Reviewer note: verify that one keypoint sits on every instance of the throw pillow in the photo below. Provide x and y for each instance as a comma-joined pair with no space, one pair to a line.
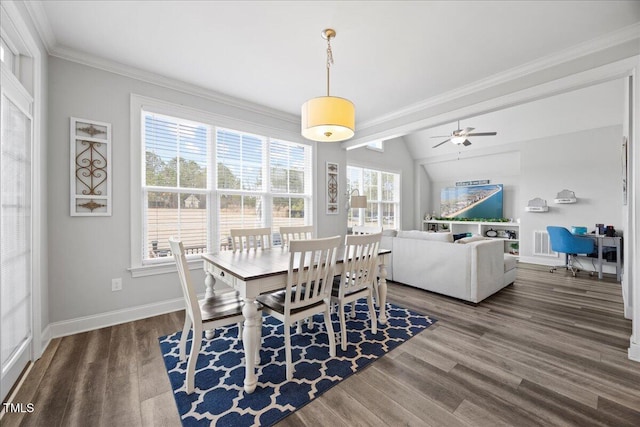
471,239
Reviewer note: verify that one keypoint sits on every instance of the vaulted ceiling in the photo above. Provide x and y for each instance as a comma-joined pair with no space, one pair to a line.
392,58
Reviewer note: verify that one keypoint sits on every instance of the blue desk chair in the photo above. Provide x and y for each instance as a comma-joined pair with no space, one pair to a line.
564,242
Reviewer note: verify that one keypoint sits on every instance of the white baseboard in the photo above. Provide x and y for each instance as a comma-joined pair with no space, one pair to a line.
634,351
102,320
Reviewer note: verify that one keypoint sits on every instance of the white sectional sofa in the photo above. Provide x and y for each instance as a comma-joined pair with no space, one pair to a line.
470,269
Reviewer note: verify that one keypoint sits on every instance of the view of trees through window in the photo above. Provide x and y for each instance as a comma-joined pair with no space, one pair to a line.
179,190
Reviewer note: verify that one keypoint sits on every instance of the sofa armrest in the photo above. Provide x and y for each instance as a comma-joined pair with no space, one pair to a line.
487,268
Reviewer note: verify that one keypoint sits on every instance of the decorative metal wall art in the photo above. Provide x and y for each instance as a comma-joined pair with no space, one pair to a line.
332,188
90,168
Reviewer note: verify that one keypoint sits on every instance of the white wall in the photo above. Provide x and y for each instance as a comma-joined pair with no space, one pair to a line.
86,253
328,224
397,159
588,163
499,168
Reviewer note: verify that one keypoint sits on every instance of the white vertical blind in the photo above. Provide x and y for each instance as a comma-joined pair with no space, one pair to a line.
15,223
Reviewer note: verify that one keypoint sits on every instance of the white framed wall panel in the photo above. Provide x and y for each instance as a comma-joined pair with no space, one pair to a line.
90,168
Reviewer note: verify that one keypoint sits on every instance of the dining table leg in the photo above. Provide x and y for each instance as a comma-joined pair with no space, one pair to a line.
249,341
382,292
209,284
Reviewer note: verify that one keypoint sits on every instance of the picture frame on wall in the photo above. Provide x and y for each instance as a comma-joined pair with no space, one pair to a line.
90,168
332,189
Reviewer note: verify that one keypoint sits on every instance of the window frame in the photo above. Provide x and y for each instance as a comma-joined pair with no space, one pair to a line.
379,201
138,105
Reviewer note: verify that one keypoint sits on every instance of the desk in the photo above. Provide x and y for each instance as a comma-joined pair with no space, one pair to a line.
606,241
256,272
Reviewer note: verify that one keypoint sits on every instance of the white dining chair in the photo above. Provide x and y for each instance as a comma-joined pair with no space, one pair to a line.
308,292
296,232
357,280
219,310
245,239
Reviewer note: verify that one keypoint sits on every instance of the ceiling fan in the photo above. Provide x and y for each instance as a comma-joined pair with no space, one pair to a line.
459,136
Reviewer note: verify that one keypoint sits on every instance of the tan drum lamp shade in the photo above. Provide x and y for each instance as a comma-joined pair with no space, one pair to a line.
358,202
328,118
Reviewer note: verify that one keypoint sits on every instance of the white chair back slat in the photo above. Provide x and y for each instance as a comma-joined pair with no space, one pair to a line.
315,261
288,234
245,239
360,262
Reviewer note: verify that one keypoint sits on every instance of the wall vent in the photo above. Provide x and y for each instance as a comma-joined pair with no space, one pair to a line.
542,244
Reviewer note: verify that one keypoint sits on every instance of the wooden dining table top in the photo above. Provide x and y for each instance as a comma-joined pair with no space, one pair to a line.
261,263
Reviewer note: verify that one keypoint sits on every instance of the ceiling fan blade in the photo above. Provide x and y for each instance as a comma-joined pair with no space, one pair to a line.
482,134
438,145
466,143
441,136
465,130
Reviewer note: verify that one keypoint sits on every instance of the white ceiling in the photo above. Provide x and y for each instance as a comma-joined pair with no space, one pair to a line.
389,55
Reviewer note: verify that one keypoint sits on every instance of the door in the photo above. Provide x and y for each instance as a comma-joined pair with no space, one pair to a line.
15,231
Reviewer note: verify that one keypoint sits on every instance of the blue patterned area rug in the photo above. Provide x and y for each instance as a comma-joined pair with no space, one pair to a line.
219,398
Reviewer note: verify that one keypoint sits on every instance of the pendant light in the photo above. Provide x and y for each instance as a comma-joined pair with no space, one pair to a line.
328,118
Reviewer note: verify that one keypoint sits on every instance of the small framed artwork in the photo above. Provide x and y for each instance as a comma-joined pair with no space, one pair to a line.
90,168
332,188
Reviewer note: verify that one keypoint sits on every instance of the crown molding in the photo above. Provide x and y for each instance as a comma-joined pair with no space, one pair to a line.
169,83
41,22
623,35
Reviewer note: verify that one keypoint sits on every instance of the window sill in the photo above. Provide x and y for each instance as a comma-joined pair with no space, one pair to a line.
163,268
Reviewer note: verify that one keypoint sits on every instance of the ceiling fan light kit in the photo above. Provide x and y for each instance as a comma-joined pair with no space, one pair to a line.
460,136
328,118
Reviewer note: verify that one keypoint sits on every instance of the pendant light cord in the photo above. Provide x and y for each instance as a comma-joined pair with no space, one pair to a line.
329,61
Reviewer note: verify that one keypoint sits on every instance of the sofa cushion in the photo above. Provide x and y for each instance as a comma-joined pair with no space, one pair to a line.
426,235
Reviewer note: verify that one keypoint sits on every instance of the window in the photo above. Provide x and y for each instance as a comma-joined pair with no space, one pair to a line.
256,192
383,197
201,180
8,57
175,184
376,146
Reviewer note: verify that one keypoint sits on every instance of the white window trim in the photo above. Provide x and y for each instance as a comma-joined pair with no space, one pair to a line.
138,103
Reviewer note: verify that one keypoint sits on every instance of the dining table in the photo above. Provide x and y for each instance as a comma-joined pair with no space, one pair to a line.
259,271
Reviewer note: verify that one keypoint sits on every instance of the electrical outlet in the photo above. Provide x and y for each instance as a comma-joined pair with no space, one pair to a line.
116,284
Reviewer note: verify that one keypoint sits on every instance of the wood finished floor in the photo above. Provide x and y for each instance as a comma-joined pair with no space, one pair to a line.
550,350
